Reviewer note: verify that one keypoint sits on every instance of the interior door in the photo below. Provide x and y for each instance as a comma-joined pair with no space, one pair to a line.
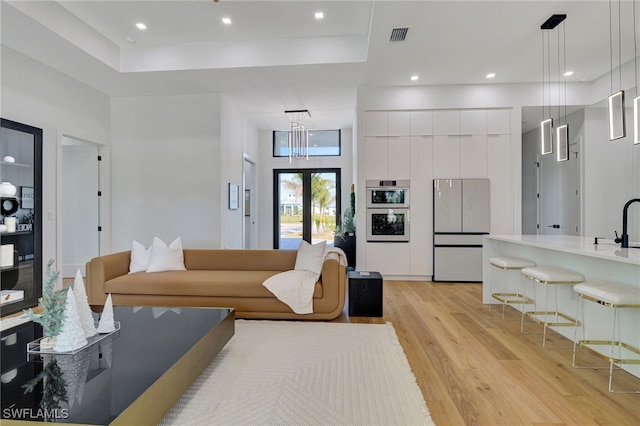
559,197
80,205
307,202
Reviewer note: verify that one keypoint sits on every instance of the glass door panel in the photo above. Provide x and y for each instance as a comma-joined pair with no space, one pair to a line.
306,205
323,207
291,200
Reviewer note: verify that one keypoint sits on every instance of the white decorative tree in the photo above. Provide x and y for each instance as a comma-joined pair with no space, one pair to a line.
106,324
71,335
86,318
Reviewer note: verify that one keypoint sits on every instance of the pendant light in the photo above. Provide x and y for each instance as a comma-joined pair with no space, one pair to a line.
616,100
298,135
562,132
546,125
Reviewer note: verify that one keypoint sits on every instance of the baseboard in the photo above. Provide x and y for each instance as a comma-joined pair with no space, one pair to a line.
69,270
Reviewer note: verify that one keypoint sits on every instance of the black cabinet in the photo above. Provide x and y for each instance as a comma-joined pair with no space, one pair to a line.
365,294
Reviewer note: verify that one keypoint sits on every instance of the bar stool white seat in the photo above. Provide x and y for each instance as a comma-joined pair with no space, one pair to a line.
613,295
551,275
508,264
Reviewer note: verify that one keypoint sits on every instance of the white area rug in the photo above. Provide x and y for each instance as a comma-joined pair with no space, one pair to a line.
305,373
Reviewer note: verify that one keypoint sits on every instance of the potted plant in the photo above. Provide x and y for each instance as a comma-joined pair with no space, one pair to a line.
345,234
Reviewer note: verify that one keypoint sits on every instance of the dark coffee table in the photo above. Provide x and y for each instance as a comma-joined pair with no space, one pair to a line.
131,377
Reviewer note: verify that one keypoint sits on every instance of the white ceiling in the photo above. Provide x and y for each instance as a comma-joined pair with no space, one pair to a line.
276,56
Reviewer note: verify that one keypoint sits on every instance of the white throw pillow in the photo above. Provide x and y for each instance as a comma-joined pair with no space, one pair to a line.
139,258
165,258
310,257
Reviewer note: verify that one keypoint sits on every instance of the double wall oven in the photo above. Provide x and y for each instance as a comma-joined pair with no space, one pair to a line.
388,210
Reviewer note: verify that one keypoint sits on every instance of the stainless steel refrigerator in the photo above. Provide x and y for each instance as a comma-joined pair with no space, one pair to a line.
460,219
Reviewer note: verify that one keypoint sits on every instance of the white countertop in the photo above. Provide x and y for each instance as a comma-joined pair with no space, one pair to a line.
605,249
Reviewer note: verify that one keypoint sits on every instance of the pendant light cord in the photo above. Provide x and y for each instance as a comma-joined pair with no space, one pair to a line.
619,44
635,48
564,54
549,71
611,45
542,45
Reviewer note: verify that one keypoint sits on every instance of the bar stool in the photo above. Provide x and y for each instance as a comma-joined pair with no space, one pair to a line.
611,295
508,264
551,275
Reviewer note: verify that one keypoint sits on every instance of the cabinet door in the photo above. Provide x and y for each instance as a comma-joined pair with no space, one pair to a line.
475,205
421,123
421,206
376,123
399,157
473,156
446,156
446,122
499,122
447,205
473,122
398,123
376,157
389,258
501,183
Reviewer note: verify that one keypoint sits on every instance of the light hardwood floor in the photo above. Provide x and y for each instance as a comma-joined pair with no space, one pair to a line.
474,368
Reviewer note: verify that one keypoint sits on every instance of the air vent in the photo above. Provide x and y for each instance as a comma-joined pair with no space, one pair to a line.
399,34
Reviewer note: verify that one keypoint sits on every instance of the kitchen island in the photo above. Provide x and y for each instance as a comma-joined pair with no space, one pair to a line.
603,261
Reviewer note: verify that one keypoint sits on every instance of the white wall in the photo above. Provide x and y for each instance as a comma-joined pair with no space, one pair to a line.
268,163
231,153
166,170
611,177
39,96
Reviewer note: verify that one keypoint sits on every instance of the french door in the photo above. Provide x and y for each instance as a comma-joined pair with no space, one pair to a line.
306,204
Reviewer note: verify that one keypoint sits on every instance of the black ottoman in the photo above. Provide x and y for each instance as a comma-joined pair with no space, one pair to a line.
365,294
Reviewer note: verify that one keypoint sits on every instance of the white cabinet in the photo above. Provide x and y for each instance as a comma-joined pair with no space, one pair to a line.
473,156
473,122
389,258
499,122
388,157
377,161
446,122
446,156
421,206
421,123
499,171
388,123
399,157
376,123
422,145
398,123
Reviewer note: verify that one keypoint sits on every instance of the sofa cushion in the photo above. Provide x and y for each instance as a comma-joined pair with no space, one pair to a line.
310,257
139,257
165,258
197,283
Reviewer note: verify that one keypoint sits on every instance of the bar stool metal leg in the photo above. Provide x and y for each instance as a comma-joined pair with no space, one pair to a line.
551,275
508,265
616,296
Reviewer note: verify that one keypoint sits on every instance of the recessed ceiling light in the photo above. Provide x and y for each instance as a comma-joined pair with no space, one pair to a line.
130,40
568,73
319,15
414,78
226,21
491,75
141,26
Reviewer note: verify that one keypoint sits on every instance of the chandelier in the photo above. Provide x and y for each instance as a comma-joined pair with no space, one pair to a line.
298,135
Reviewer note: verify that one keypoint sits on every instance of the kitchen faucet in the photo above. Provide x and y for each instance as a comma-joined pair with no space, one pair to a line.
624,238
